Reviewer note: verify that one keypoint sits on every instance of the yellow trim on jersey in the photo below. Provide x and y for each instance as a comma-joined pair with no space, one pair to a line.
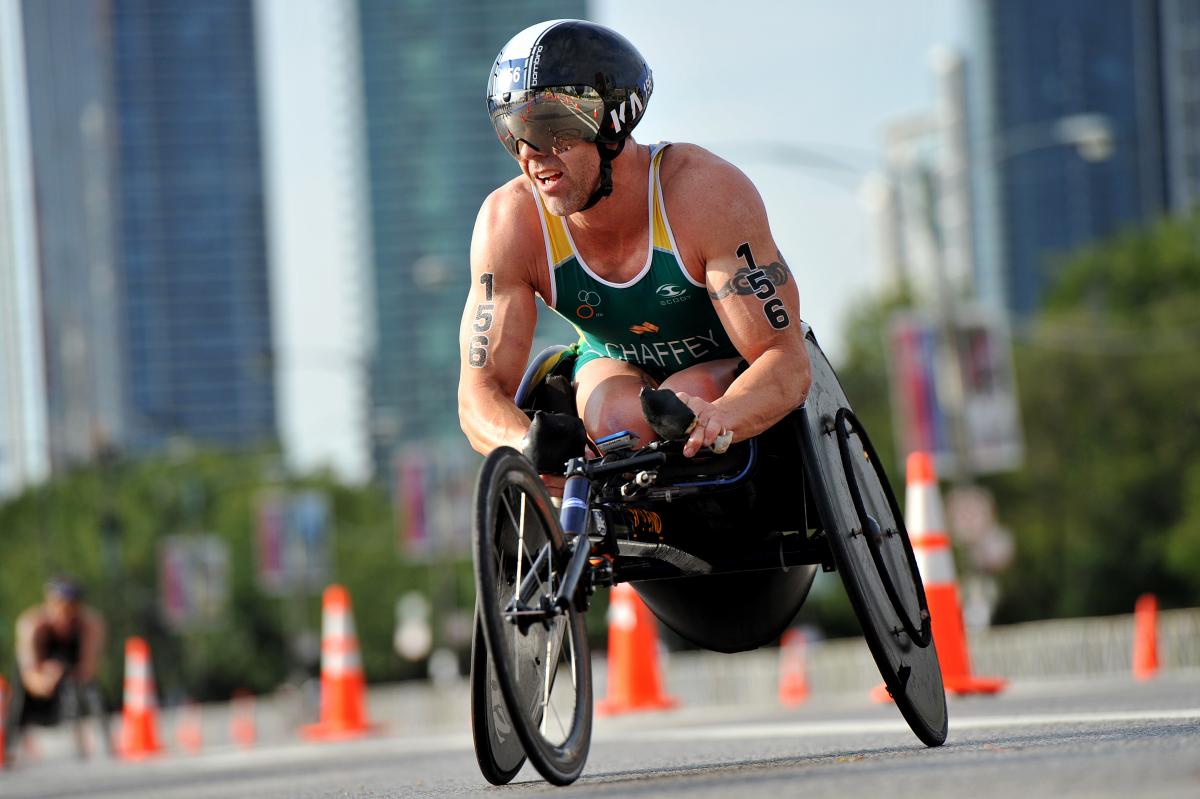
560,245
555,229
661,240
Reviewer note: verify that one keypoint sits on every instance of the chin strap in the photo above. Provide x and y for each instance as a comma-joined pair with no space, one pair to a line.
605,187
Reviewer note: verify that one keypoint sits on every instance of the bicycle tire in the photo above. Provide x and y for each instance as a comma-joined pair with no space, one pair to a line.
513,522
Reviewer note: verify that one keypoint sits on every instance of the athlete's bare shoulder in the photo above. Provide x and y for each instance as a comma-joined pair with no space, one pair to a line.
508,233
706,197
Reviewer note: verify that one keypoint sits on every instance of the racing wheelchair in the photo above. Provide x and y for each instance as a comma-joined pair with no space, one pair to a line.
722,548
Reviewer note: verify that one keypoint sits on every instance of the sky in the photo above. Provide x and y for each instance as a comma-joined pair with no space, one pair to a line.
824,77
818,75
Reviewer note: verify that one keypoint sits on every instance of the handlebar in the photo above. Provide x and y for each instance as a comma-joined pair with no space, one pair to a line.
593,470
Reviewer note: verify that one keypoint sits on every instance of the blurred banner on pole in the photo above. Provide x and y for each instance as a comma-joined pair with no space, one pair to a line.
432,499
193,580
924,386
293,541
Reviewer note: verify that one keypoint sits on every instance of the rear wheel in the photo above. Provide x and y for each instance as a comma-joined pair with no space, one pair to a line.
872,551
539,656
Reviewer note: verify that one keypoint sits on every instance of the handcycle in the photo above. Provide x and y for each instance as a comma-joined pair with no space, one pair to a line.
722,548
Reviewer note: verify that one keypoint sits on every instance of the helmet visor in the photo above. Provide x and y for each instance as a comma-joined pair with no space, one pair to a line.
550,119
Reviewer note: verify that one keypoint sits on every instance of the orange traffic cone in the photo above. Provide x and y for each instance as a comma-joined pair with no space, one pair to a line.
633,677
139,719
1145,637
242,727
189,732
927,530
343,688
793,684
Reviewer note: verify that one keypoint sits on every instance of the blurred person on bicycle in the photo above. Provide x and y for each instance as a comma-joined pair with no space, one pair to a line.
58,647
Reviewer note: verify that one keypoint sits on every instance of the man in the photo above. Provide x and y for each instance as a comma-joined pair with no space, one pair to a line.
58,652
660,256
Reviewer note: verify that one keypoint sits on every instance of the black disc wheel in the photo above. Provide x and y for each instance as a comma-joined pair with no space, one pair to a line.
872,551
539,654
497,747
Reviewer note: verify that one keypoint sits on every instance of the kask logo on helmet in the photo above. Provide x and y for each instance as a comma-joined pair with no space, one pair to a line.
635,105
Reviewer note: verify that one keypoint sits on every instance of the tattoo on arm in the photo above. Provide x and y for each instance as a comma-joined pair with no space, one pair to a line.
477,351
776,272
761,282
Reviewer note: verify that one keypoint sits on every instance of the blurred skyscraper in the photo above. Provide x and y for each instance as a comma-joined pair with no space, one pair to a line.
23,443
152,262
1180,26
1042,65
317,227
191,235
432,158
71,123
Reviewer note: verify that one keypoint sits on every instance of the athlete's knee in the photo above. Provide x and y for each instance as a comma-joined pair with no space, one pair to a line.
702,383
607,415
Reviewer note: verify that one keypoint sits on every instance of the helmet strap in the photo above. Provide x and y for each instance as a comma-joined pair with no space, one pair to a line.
605,186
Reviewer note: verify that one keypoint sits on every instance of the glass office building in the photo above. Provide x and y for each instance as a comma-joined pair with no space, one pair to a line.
432,158
146,164
1180,25
190,230
1040,64
24,453
71,134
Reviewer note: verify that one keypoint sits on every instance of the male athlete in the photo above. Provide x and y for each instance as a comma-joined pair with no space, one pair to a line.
661,256
59,644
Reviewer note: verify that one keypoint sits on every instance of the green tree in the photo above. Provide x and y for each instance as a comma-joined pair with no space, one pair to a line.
106,525
1107,504
1109,373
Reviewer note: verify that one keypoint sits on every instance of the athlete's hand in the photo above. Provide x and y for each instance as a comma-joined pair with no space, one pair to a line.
712,427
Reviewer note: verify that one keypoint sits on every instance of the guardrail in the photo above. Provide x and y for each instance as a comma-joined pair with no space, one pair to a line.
1036,650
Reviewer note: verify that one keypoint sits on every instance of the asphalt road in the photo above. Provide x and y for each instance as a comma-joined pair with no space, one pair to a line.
1111,738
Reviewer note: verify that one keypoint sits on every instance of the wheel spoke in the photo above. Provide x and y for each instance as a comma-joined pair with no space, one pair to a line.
571,657
562,729
519,527
520,546
549,665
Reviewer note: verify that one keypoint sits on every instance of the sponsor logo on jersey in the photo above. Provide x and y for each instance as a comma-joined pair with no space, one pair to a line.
669,290
644,327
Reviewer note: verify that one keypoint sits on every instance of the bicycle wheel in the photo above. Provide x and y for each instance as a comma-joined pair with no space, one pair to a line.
497,747
540,657
872,552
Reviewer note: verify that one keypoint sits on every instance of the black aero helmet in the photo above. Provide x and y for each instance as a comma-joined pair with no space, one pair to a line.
566,81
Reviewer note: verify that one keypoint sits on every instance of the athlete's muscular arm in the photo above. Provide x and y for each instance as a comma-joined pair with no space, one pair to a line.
498,321
754,294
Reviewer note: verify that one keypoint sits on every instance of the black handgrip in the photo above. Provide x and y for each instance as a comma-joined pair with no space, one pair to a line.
668,416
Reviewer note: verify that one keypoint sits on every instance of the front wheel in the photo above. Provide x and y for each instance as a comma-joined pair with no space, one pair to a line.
539,655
